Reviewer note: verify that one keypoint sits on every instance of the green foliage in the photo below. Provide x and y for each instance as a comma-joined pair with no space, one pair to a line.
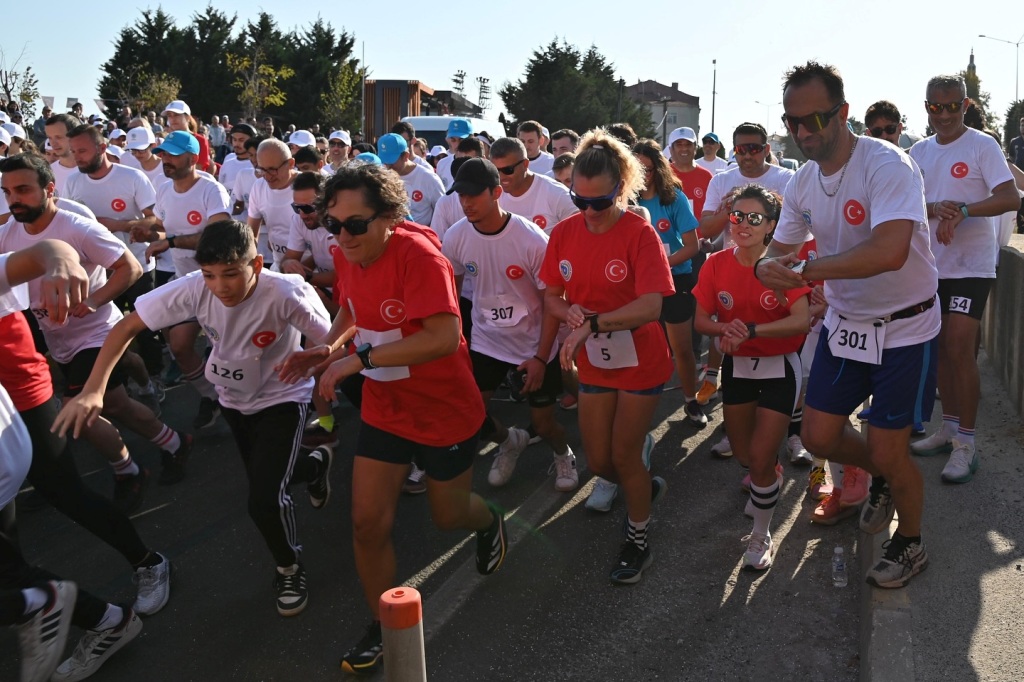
1012,127
19,85
257,82
563,87
857,125
981,99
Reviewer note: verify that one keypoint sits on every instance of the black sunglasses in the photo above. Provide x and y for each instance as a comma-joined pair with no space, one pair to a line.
595,203
753,219
888,130
337,143
938,108
749,148
509,170
811,122
354,226
303,208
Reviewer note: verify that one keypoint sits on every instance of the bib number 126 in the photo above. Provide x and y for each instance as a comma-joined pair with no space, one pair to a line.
226,373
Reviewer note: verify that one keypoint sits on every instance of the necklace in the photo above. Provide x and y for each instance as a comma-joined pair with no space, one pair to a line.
841,175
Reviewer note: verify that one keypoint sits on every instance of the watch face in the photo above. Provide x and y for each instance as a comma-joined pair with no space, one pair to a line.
799,267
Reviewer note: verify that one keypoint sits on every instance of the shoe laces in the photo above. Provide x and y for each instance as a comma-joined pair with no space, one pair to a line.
562,466
756,542
416,475
817,476
878,494
292,583
146,577
897,550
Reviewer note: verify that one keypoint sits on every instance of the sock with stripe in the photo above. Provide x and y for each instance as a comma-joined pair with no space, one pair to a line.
199,381
950,424
636,531
712,375
167,440
796,421
965,436
763,501
125,467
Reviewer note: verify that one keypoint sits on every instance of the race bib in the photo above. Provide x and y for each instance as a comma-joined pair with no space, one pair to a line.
960,304
237,375
379,339
772,367
862,341
611,350
505,310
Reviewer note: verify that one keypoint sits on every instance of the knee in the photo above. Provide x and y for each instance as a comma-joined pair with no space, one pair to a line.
370,529
546,426
819,442
264,506
448,517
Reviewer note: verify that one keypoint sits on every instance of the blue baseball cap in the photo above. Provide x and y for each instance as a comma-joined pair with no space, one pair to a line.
390,147
459,127
368,158
179,142
713,137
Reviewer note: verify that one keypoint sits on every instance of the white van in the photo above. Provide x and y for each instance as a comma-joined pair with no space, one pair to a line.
434,128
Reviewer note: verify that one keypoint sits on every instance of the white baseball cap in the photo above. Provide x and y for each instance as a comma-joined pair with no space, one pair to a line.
3,116
5,137
437,150
177,107
15,130
140,138
114,150
684,133
341,135
302,138
115,134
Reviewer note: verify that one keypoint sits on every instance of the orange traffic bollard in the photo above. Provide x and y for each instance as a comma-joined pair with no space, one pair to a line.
401,622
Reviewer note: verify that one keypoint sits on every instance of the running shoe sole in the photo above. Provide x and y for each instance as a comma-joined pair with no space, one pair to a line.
901,582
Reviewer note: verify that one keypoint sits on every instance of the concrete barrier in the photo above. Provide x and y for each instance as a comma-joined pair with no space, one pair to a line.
1002,328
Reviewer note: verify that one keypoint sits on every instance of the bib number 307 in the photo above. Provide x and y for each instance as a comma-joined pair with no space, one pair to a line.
862,341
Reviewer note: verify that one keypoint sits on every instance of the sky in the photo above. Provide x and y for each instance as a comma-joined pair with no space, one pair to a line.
883,52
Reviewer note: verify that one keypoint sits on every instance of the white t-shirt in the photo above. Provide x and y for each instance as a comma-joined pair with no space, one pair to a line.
447,212
61,175
15,444
230,168
248,339
274,207
542,164
424,189
121,194
966,170
422,163
156,176
444,171
881,184
319,242
776,178
188,213
98,250
508,293
716,165
74,207
546,203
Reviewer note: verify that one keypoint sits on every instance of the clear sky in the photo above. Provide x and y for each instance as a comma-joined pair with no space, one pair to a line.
884,50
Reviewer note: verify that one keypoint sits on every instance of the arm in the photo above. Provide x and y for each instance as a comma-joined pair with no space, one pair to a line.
689,250
254,225
123,273
145,225
536,365
1017,173
885,250
645,308
292,264
712,223
305,363
1004,198
65,283
797,323
182,241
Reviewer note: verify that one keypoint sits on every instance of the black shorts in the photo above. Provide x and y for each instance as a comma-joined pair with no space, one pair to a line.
162,277
442,463
680,306
778,395
490,372
966,296
77,372
143,285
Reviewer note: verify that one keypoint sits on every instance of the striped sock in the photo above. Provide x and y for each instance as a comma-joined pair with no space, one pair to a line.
125,467
965,436
199,381
167,440
712,375
636,531
796,421
763,501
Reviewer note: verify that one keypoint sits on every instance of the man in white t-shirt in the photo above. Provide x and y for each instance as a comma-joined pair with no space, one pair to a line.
458,130
710,145
338,145
502,253
564,141
531,134
270,200
538,198
239,159
863,200
421,184
57,128
184,206
967,183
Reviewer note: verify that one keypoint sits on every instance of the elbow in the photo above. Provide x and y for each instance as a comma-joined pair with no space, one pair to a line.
895,259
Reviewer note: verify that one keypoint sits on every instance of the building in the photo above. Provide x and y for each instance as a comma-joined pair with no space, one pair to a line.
670,107
389,101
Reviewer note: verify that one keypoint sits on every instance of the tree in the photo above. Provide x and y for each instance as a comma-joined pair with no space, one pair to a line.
339,102
857,125
980,98
19,85
257,82
566,88
1012,127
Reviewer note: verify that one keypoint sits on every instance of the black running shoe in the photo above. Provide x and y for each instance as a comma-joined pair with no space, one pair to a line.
631,564
291,591
207,414
492,543
172,468
128,490
319,487
367,656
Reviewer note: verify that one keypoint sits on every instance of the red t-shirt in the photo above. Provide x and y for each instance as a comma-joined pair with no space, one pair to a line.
435,403
23,371
731,291
695,186
603,272
809,251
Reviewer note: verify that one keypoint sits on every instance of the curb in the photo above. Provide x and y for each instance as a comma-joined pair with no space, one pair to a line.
886,624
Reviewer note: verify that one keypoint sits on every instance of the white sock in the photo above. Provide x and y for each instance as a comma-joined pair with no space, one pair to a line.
763,503
111,618
35,599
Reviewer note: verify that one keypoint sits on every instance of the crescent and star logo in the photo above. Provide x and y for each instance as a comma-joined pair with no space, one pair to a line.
393,311
332,249
854,212
565,267
615,271
118,205
211,333
417,195
194,217
663,225
959,170
811,255
263,339
541,221
725,298
768,301
698,192
514,272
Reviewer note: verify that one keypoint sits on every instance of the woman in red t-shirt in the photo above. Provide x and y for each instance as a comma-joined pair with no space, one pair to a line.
761,336
420,402
606,274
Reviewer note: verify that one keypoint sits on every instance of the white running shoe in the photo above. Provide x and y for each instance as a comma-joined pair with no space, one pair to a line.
42,637
930,446
154,586
962,463
722,448
760,552
508,454
797,453
566,476
96,646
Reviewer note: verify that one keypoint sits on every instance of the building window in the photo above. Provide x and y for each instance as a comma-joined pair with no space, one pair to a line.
670,119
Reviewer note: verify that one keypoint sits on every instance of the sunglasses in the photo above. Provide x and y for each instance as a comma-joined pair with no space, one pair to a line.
337,143
888,130
749,148
509,170
753,219
813,123
595,203
937,108
303,208
354,226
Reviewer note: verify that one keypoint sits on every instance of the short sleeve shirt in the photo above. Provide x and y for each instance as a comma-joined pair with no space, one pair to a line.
672,222
188,213
546,203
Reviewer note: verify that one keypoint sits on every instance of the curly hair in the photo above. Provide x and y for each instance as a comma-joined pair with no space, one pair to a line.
382,189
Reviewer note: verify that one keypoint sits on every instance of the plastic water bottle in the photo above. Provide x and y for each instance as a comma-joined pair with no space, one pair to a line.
839,575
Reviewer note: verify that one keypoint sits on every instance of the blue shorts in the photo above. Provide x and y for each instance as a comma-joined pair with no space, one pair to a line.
592,388
902,388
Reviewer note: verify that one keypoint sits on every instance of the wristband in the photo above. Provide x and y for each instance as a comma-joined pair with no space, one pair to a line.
963,209
593,324
170,241
752,329
309,276
540,359
759,261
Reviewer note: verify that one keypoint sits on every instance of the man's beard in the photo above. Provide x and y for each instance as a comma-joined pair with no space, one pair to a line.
25,215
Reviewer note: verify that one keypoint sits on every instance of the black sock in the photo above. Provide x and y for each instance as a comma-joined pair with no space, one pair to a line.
905,539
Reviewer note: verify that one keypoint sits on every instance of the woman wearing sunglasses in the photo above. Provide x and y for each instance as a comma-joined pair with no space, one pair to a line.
606,274
761,337
419,402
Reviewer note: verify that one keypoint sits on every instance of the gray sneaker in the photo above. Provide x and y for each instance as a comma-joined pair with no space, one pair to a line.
901,562
878,510
508,453
96,646
602,497
566,476
962,463
154,586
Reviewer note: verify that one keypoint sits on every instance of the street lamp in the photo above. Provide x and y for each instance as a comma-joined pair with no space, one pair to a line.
1016,90
714,85
767,113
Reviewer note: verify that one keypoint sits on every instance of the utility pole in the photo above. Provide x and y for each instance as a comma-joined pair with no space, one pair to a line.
714,85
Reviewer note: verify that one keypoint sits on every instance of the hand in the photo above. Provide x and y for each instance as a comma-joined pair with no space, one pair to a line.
775,274
159,246
534,374
144,233
945,232
336,372
238,207
572,346
946,210
63,288
293,267
728,345
86,307
78,413
735,330
577,315
303,364
706,245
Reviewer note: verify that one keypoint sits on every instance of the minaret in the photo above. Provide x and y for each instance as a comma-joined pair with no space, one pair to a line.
970,65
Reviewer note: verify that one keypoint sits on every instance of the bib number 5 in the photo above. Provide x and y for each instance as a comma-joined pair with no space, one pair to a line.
612,350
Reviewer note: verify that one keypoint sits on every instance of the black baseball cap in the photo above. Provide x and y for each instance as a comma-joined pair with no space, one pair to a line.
475,176
243,128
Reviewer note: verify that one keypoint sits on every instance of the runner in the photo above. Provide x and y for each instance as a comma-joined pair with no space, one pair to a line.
710,161
270,199
531,134
422,185
524,192
459,129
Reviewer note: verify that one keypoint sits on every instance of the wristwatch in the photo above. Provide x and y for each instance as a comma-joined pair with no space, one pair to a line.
963,209
170,240
752,330
363,351
593,324
798,268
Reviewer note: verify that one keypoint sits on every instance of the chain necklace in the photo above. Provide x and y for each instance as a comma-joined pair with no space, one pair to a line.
841,176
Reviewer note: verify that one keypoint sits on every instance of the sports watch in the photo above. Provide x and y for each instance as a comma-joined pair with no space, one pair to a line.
363,351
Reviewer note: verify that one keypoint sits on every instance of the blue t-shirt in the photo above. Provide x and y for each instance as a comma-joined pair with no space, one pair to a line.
670,222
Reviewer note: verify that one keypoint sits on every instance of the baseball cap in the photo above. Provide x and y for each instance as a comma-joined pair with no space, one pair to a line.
179,142
5,137
341,135
711,136
114,150
684,133
302,138
115,134
15,130
3,117
459,127
437,150
139,138
96,120
368,158
177,107
544,132
390,148
474,177
244,129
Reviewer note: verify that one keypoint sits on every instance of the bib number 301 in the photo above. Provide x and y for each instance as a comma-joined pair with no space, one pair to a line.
858,340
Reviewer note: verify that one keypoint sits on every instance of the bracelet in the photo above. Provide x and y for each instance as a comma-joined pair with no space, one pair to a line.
759,261
170,241
963,209
593,324
540,359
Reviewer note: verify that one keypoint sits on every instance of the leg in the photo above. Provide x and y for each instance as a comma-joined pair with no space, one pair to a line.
596,417
376,486
632,420
680,338
960,368
888,448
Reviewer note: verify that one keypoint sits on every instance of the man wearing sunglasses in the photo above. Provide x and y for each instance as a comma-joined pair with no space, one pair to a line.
421,184
883,120
270,200
863,199
338,146
967,182
710,161
536,197
682,149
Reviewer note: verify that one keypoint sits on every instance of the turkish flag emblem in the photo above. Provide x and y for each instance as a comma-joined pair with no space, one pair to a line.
263,339
959,170
541,221
514,272
393,311
854,212
698,192
194,217
417,195
118,205
615,271
663,225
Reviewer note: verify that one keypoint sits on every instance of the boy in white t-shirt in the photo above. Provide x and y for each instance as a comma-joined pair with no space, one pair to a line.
421,184
254,318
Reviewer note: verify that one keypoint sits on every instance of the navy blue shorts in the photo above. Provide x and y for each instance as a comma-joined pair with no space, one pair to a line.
902,388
